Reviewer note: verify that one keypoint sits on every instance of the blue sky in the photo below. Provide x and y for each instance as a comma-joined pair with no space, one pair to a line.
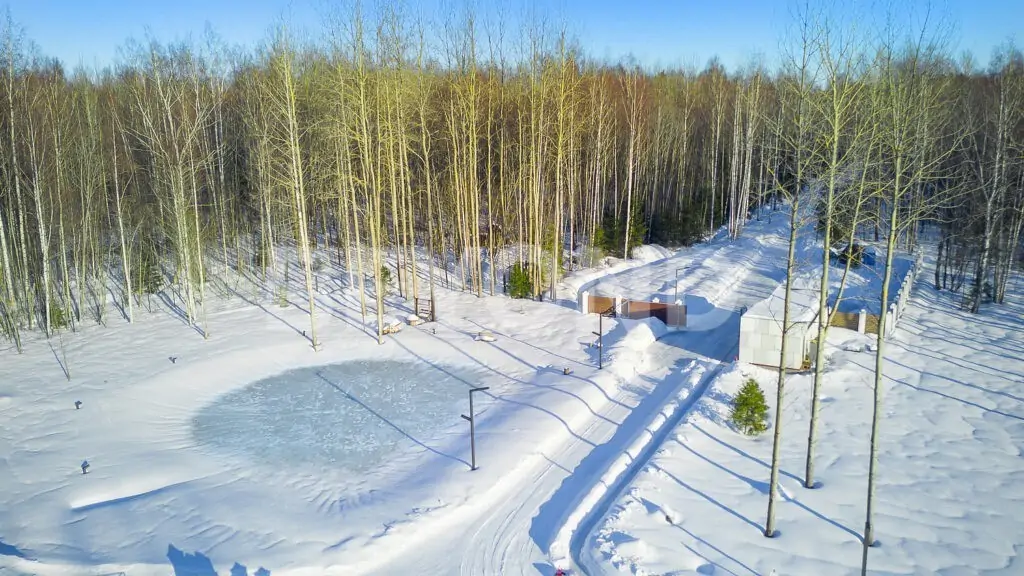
656,32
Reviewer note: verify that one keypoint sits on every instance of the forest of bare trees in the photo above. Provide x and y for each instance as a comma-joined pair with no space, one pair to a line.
184,164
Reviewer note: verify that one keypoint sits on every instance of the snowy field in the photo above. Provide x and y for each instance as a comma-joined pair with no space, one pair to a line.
951,479
252,448
249,453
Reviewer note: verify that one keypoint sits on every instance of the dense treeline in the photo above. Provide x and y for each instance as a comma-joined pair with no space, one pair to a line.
183,164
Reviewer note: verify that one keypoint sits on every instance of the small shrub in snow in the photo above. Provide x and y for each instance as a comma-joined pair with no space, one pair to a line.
151,279
58,319
749,410
520,285
261,256
385,276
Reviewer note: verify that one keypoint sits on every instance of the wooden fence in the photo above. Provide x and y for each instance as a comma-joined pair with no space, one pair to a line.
673,315
869,323
601,305
847,320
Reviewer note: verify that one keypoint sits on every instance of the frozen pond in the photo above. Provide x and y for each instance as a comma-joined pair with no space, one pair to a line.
350,415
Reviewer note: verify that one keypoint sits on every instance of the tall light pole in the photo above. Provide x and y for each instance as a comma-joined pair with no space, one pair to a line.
472,429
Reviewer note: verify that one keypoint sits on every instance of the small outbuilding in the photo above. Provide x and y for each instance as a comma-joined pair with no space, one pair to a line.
761,327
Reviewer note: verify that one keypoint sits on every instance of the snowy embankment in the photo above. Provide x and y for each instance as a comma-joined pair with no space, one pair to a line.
619,469
950,481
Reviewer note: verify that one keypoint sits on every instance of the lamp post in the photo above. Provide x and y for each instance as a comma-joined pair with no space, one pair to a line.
600,339
472,429
676,285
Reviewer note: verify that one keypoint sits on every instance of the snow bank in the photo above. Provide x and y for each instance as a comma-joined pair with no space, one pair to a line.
628,340
650,253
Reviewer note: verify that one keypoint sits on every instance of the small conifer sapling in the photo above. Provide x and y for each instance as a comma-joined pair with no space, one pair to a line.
749,410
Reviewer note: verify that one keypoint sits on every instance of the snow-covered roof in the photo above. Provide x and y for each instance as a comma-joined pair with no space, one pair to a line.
803,302
862,291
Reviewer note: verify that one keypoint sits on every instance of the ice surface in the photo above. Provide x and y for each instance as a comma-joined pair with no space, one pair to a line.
350,415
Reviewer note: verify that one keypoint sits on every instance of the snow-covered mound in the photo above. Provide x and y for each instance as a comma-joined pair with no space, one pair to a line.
650,253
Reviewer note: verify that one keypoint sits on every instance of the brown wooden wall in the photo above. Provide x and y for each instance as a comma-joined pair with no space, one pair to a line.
601,305
670,314
851,320
848,320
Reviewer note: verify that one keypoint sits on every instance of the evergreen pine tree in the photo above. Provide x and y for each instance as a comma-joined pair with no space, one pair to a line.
749,410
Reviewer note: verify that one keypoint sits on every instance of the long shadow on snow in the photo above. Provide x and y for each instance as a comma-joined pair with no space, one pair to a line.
936,392
710,499
198,564
651,508
493,395
257,304
724,554
539,369
537,348
614,335
976,368
553,513
8,550
389,422
948,303
761,487
178,310
927,329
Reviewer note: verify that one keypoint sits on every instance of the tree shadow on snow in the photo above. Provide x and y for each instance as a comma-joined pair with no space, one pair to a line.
257,304
920,388
198,564
762,487
535,347
498,397
389,422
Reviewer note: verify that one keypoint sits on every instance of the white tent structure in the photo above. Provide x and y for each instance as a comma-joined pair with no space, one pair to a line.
761,326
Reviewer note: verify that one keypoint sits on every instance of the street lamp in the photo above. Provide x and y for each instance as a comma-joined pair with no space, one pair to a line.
676,285
600,338
472,429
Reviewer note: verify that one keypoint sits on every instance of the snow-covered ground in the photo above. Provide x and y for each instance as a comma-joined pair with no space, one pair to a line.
950,482
249,447
249,453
